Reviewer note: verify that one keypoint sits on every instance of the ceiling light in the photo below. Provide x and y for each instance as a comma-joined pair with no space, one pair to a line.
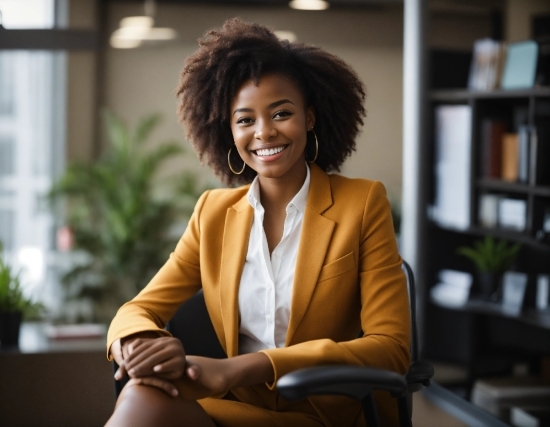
309,4
134,31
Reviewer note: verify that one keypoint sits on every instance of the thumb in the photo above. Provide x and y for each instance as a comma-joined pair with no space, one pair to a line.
193,371
121,372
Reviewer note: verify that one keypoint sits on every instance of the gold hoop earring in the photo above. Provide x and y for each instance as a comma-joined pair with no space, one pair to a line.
231,167
316,148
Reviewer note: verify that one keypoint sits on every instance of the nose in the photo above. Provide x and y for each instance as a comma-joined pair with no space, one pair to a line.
265,131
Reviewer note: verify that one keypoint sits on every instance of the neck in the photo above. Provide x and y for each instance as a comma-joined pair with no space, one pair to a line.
277,193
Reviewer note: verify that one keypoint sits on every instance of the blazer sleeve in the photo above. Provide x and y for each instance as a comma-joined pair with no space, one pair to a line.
385,319
174,283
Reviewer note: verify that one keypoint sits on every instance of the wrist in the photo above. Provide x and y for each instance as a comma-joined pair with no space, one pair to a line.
248,369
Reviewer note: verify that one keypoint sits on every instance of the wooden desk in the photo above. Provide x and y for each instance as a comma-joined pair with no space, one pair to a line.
61,383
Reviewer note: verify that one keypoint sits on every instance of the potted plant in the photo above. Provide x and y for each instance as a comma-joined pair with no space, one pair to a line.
123,217
491,259
13,304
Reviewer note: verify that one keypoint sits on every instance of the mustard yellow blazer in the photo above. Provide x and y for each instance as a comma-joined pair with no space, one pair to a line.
348,279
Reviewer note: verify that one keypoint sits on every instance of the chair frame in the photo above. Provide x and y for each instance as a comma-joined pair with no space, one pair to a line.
359,382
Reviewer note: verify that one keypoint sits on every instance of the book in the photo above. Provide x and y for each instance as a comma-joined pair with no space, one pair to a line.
452,166
491,146
513,290
512,214
488,210
540,159
530,416
524,152
509,162
487,60
543,292
521,65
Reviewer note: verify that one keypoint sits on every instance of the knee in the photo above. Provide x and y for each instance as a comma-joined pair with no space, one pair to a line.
139,395
142,405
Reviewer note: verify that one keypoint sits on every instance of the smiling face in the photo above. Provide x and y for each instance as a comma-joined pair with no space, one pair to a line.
269,123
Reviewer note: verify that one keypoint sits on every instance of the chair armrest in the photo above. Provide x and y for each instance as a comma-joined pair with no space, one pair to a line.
420,373
351,381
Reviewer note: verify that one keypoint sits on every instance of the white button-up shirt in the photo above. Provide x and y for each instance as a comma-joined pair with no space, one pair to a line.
265,292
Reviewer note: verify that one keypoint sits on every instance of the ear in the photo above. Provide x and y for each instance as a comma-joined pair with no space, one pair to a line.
310,117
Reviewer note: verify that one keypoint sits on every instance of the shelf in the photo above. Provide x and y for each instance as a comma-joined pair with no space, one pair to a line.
515,236
530,317
512,187
454,95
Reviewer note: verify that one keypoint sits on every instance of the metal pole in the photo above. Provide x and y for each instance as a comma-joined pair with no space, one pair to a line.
414,152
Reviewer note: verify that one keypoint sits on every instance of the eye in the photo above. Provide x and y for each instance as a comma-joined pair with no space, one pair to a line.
282,113
244,120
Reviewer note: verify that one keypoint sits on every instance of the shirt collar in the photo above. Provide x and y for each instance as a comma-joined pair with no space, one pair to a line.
298,201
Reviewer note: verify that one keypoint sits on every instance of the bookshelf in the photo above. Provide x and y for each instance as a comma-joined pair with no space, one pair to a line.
481,336
529,108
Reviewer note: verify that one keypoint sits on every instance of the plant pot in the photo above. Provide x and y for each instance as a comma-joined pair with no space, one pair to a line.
10,325
489,285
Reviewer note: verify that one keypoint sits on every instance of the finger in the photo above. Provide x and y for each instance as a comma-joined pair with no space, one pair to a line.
134,344
141,348
157,382
146,363
176,363
121,372
116,351
145,359
142,353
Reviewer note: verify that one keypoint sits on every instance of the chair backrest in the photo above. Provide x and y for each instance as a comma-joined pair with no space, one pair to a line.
192,326
411,289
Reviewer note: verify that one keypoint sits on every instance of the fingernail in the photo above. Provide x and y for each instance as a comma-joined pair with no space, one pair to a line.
156,368
174,393
117,375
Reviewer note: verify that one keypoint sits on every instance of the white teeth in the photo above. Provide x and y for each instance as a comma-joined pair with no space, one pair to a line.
269,151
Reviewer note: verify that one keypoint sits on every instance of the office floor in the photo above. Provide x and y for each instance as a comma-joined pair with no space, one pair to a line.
425,413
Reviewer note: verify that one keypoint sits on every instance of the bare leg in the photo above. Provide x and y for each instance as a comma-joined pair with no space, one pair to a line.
142,405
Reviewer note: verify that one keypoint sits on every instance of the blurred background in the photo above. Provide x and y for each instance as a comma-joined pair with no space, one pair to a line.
97,180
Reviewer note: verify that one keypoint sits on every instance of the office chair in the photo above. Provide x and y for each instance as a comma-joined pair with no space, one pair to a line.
358,382
354,381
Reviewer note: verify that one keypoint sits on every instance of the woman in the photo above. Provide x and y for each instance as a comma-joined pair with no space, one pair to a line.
293,266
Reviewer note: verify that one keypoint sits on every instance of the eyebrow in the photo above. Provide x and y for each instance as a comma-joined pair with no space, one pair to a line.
270,106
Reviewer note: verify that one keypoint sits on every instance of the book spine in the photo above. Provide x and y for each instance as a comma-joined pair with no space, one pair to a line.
509,171
523,154
491,156
533,150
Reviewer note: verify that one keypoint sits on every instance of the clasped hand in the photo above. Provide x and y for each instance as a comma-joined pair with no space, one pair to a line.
158,361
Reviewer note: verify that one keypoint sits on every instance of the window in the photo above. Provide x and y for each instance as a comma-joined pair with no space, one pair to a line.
32,116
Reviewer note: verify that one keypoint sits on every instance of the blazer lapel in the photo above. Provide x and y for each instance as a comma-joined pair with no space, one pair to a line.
236,234
314,242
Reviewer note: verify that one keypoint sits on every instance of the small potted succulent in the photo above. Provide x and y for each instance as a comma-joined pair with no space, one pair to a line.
13,304
491,259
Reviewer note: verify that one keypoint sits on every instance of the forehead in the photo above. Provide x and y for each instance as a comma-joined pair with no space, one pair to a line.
270,88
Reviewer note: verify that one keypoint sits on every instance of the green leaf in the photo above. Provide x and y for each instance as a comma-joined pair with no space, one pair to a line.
122,215
145,127
489,255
